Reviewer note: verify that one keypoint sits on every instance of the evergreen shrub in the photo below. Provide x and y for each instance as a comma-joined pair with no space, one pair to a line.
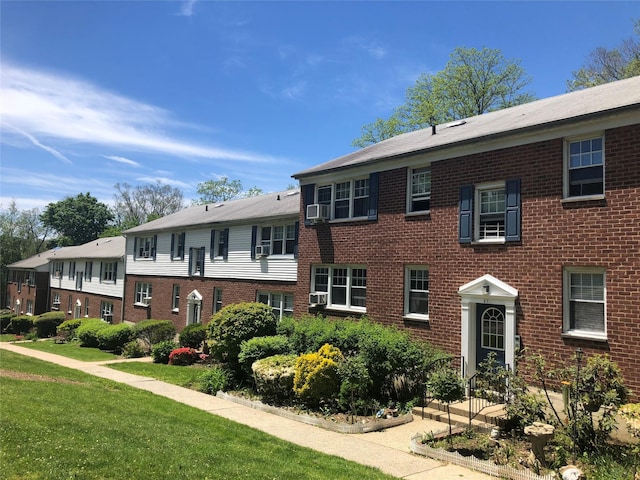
152,331
193,336
273,377
20,325
160,351
258,348
88,332
47,323
316,377
115,337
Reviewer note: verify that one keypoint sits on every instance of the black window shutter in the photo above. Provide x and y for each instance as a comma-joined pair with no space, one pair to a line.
173,244
225,247
190,270
466,214
184,237
115,272
373,196
202,249
308,196
254,237
135,248
212,245
512,215
296,228
155,246
101,264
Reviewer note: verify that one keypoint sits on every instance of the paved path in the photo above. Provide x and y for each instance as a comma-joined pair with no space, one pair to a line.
387,450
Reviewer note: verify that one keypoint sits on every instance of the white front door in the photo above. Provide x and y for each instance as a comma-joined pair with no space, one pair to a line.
194,307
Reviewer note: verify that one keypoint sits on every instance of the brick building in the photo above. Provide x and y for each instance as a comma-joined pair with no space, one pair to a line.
517,228
28,285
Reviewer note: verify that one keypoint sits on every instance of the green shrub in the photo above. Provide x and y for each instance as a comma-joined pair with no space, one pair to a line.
115,337
355,385
446,386
183,356
88,332
67,330
274,377
234,324
193,336
161,351
133,349
5,319
316,375
20,325
258,348
47,323
213,379
152,331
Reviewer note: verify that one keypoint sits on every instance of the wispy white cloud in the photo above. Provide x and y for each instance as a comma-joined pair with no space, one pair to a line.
37,143
124,160
62,109
294,91
166,181
370,47
186,8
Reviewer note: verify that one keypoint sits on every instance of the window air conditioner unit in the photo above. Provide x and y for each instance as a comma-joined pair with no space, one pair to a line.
146,254
318,298
317,212
262,250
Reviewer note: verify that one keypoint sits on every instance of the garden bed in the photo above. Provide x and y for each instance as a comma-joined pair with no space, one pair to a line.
338,423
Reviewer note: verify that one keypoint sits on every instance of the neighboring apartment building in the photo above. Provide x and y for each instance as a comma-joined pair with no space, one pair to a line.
517,228
88,280
28,284
188,265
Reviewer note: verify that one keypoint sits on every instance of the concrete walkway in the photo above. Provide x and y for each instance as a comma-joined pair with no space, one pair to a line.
387,450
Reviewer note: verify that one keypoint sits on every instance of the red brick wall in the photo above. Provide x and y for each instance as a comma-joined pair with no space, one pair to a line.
94,304
233,291
554,235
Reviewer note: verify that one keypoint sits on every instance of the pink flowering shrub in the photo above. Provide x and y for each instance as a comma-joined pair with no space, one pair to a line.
183,356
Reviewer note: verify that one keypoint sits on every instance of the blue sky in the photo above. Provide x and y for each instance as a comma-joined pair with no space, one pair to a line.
94,93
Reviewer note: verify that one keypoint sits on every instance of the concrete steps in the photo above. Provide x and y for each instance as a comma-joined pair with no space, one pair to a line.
488,417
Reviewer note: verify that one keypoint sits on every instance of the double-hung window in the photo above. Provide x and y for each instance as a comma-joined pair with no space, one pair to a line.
490,213
584,302
55,301
584,167
217,300
219,244
348,199
108,272
58,267
72,270
88,271
177,246
143,294
196,261
106,311
419,190
175,303
145,247
416,293
280,303
346,286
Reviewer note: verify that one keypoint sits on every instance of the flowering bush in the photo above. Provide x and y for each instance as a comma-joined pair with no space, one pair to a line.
183,356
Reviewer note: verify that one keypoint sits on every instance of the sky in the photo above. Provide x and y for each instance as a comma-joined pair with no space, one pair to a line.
95,93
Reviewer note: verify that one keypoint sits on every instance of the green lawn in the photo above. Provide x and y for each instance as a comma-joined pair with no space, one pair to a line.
7,337
71,350
57,423
182,376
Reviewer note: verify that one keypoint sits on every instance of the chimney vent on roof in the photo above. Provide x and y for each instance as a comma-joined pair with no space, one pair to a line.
206,208
433,129
278,197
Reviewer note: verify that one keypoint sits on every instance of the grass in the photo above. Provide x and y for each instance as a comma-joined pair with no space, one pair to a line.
71,350
58,423
182,376
7,337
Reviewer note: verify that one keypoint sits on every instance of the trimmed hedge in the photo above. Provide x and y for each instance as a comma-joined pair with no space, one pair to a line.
152,331
47,323
20,325
193,335
258,348
236,323
274,377
88,332
160,351
68,329
115,337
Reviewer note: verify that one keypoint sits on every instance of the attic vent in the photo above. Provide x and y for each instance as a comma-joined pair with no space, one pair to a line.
456,124
292,193
218,205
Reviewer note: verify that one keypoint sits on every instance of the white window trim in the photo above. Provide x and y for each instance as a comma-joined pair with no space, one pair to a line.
352,183
176,286
565,168
410,173
146,291
106,270
150,251
282,312
407,289
272,229
476,212
566,300
330,305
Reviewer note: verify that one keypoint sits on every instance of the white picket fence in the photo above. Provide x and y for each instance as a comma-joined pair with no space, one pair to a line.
484,466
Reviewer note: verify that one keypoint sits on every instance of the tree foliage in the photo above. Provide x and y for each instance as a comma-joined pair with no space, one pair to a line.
222,190
143,203
472,83
604,65
78,219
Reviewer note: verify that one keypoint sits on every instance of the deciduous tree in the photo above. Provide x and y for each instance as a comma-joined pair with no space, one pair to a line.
222,190
136,205
472,83
78,219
